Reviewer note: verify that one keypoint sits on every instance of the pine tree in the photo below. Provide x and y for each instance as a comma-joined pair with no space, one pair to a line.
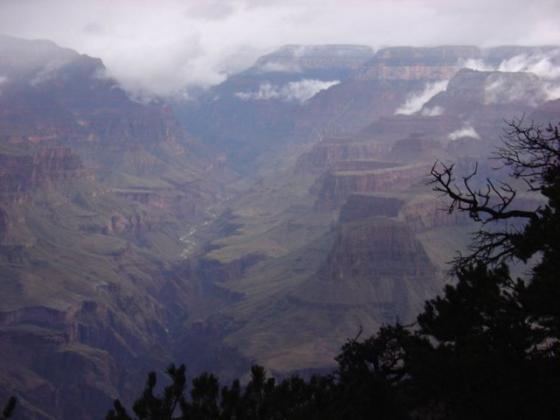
487,348
496,337
9,408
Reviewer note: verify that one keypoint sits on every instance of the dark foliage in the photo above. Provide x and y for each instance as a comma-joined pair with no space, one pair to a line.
496,338
487,348
8,410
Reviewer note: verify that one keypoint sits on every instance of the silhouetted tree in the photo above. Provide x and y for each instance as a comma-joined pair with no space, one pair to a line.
533,155
262,398
496,337
370,374
151,406
487,348
9,408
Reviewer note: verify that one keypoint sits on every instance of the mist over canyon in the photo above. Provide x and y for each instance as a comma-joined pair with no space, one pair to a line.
264,215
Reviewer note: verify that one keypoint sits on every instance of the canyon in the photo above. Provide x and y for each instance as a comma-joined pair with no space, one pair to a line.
266,220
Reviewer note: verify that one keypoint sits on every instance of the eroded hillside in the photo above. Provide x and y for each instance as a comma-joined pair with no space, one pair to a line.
267,220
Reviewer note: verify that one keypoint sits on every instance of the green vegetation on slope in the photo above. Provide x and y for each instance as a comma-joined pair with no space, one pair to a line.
487,348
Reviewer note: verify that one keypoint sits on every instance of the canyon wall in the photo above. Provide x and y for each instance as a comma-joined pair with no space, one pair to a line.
335,187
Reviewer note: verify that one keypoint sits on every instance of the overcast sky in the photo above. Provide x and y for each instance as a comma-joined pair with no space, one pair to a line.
160,46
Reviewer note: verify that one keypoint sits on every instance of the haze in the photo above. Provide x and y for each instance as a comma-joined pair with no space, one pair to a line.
167,47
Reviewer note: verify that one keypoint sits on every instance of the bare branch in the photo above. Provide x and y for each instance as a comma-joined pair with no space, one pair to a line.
483,206
530,151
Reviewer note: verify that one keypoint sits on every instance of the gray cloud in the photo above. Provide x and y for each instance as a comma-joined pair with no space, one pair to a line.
539,64
160,48
502,89
417,100
467,131
3,79
300,91
276,66
435,111
49,71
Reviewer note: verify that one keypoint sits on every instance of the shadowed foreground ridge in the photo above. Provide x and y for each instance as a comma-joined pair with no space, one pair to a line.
263,221
487,348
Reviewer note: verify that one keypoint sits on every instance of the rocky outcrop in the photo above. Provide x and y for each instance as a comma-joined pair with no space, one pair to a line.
38,316
56,163
20,174
335,187
414,149
172,202
341,154
253,112
471,87
92,296
350,106
122,224
380,87
91,350
304,58
375,262
430,213
395,75
217,272
410,63
54,96
95,190
360,207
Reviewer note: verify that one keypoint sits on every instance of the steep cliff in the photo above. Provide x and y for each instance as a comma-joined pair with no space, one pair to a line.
424,213
253,112
360,207
361,275
20,174
335,187
96,191
381,85
334,60
409,63
340,155
376,262
126,243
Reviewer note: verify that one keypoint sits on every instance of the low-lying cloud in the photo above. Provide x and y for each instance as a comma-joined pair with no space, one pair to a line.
48,72
552,91
477,64
539,64
3,79
162,48
505,89
544,65
467,131
300,91
434,111
501,89
278,67
416,101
